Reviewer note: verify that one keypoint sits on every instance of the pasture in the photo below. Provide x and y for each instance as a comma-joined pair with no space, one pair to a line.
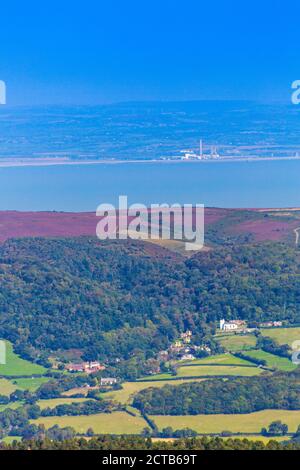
16,366
282,335
12,405
235,423
30,383
6,387
273,361
220,360
53,402
129,389
208,371
237,343
118,422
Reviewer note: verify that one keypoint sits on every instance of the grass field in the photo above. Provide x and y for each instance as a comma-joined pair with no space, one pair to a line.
236,343
102,423
16,366
6,387
282,335
13,405
52,403
129,389
208,371
10,439
247,423
220,359
263,439
74,391
249,437
273,361
30,383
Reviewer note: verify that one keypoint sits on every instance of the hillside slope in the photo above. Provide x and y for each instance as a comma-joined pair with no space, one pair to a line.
113,299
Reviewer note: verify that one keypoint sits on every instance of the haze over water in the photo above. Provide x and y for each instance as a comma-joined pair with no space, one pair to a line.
83,188
145,131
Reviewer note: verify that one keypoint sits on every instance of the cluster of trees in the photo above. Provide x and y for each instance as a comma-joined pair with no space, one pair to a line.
60,383
169,432
118,299
89,407
276,428
141,443
271,346
245,356
17,423
240,395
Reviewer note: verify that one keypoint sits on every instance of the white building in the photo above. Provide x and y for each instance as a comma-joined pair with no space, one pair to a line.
187,357
228,326
108,381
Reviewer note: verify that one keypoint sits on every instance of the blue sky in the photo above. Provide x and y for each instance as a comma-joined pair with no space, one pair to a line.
121,50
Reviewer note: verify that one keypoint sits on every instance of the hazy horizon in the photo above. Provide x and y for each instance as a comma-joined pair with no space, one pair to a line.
128,51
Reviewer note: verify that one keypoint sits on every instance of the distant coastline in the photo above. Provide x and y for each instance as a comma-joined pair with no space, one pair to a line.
39,162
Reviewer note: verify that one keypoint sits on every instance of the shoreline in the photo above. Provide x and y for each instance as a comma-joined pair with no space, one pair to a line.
11,163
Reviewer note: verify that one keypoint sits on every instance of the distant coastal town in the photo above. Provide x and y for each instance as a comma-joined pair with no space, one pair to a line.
187,157
210,153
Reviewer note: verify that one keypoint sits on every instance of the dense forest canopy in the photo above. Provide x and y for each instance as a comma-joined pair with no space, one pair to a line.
240,395
141,443
112,299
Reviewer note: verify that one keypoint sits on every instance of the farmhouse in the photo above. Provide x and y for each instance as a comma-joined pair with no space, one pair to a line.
187,357
87,367
75,367
270,324
108,381
186,337
203,347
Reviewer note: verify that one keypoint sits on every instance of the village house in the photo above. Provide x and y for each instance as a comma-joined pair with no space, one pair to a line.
174,348
163,356
186,337
87,367
271,324
108,381
187,357
204,348
75,367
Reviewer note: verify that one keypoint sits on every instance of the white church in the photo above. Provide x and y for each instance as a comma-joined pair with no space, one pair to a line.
228,326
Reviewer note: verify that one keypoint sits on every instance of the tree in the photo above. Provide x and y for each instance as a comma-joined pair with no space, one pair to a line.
276,428
90,432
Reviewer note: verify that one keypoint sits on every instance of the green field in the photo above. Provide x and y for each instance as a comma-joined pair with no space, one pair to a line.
207,371
6,387
246,423
10,439
30,383
220,359
236,343
129,389
16,366
118,422
74,391
12,405
282,335
273,361
53,402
